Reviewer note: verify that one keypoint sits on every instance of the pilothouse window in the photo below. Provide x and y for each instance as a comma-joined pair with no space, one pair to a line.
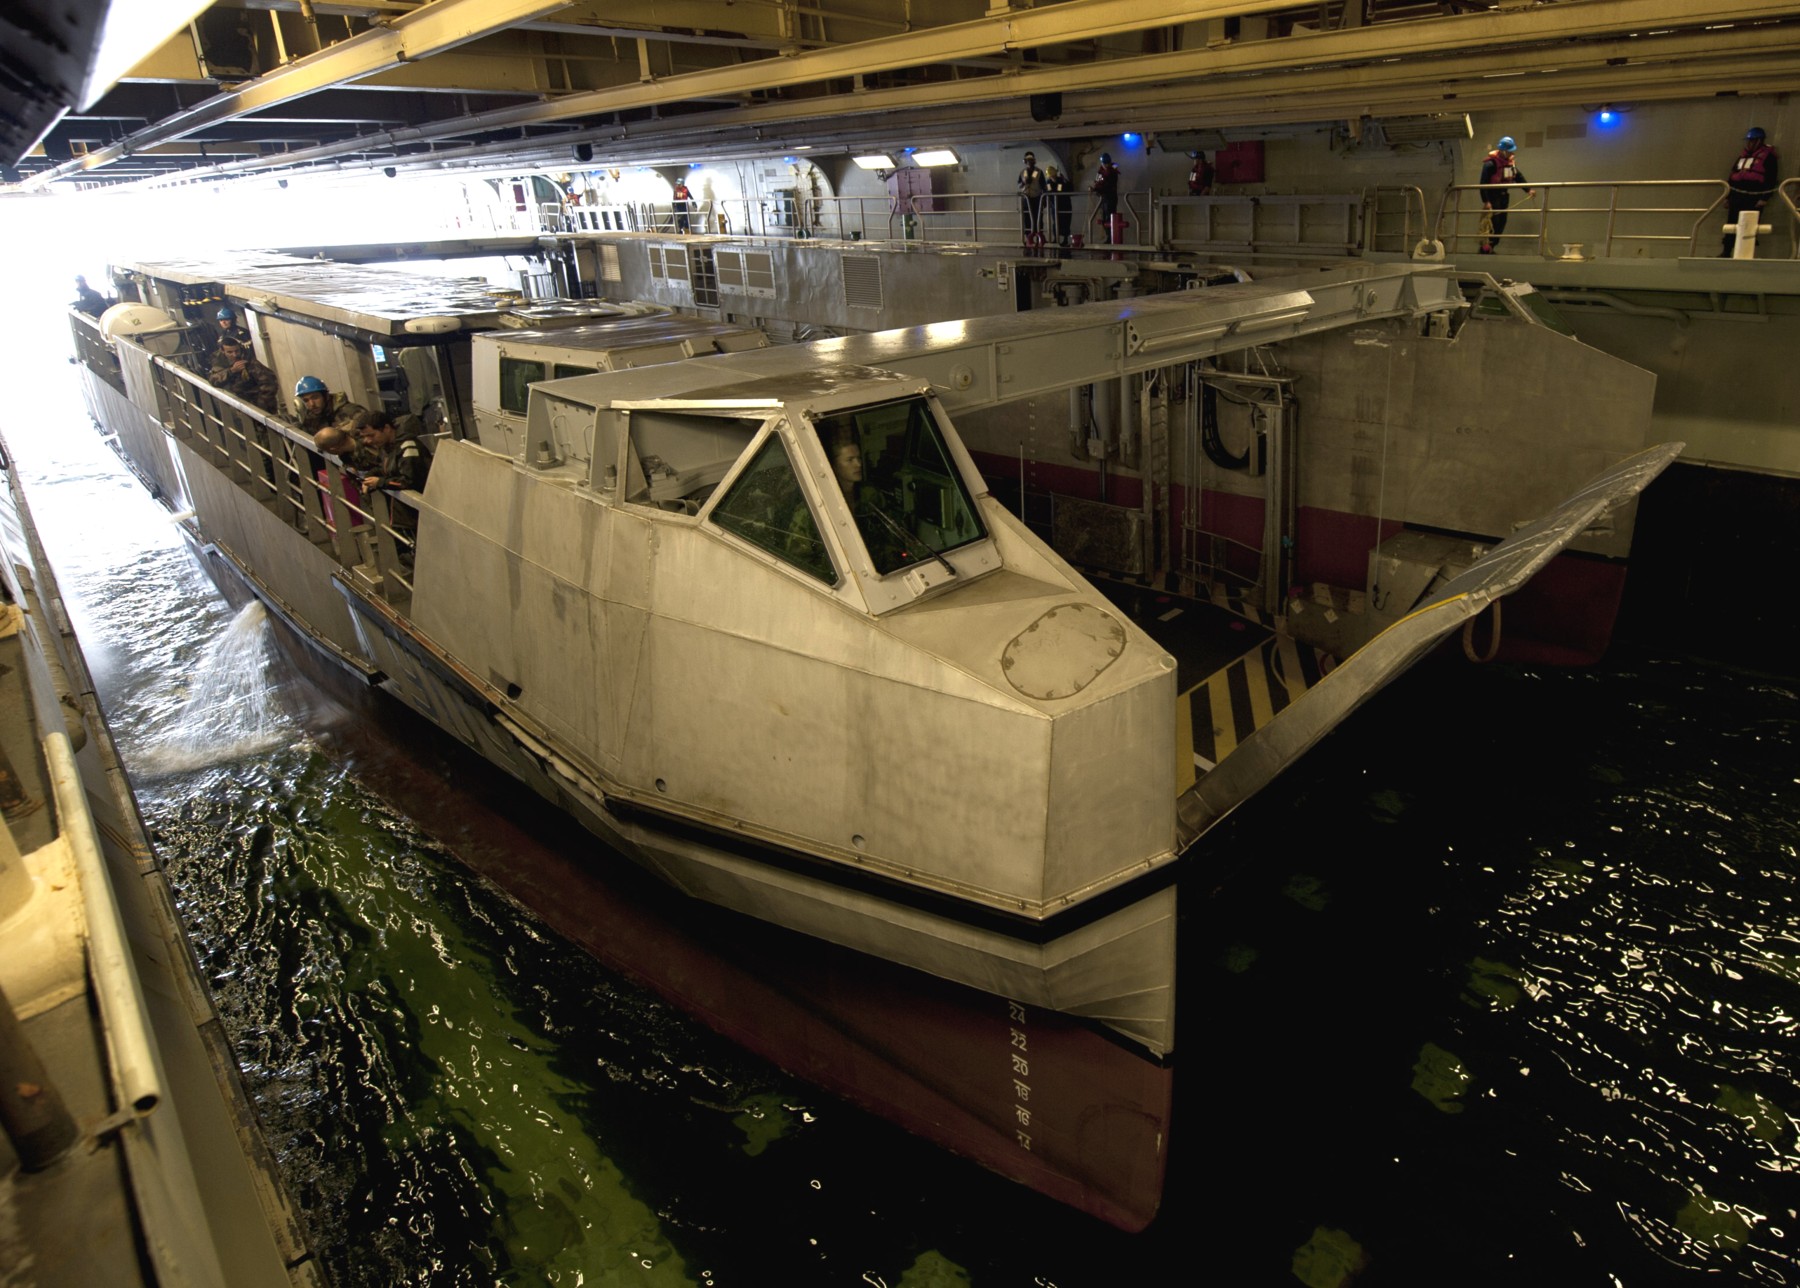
767,508
517,375
896,474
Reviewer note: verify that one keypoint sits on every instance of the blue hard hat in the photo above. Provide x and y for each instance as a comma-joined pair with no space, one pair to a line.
309,385
1756,132
225,315
1506,143
1106,158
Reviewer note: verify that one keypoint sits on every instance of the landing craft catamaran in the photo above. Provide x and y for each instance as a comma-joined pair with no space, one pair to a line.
759,623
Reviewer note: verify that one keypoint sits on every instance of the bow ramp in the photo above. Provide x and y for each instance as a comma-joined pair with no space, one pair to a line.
1285,736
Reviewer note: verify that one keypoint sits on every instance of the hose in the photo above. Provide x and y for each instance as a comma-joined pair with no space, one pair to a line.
1468,637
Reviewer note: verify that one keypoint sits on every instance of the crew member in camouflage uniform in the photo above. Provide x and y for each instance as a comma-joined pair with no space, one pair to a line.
236,371
316,406
401,458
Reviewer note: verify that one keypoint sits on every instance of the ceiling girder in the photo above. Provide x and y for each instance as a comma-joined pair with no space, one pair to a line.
1487,35
1410,65
443,24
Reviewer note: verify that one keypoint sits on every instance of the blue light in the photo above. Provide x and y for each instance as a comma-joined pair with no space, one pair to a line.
1606,118
909,151
789,160
1131,140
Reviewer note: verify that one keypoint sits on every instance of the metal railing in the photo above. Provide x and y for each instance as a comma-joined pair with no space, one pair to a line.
1610,219
309,491
999,218
1786,194
855,218
1385,207
93,350
1308,223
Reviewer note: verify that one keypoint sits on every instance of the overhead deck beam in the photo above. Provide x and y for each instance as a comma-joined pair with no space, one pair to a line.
1264,92
1482,38
443,24
1671,63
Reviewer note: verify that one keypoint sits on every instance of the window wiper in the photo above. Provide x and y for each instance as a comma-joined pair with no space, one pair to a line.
908,538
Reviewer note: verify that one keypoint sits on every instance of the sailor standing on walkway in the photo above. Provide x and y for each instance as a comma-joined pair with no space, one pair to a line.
1031,198
1106,188
1056,185
1752,180
1498,168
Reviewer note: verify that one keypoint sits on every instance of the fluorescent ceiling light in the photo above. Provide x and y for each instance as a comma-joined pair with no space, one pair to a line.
875,161
935,156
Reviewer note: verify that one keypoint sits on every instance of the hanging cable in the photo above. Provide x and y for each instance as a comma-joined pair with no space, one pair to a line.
1210,442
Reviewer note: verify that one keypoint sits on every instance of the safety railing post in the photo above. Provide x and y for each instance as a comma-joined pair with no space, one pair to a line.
1785,191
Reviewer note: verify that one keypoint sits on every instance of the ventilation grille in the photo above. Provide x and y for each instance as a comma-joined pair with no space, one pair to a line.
745,271
668,264
1426,129
862,281
609,264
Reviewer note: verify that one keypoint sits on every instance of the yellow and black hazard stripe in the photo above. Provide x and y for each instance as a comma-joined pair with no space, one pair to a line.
1217,714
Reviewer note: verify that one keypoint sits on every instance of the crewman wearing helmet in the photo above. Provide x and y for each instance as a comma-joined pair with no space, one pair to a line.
206,339
1106,188
1498,168
317,407
1752,180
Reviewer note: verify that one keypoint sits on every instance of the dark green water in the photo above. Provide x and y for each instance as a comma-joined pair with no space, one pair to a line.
1499,986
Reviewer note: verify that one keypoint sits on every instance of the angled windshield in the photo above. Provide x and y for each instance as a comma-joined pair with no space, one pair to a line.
766,507
897,476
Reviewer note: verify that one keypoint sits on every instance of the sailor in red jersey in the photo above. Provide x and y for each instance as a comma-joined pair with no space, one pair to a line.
1752,181
1498,168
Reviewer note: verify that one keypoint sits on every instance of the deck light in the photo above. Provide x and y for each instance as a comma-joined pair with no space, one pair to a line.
875,161
936,156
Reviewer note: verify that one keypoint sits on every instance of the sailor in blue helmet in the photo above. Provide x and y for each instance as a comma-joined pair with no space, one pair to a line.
225,327
316,407
1496,169
1752,181
227,324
